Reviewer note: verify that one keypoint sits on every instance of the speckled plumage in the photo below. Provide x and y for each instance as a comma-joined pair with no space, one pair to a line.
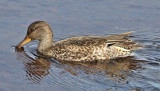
83,48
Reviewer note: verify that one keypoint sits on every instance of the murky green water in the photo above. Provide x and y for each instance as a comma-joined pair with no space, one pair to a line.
24,71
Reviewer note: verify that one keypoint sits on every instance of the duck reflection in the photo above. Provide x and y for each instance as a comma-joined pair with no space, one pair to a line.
36,68
118,69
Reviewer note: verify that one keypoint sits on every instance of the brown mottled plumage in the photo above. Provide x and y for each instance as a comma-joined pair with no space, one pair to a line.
83,48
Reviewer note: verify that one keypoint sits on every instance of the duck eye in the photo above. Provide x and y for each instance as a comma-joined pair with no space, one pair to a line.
35,28
32,30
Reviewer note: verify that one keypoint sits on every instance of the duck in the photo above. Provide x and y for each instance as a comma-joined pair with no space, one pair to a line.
80,48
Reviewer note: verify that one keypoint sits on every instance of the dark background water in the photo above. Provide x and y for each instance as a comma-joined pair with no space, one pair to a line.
24,71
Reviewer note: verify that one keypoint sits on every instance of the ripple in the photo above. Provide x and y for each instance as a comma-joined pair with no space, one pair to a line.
154,64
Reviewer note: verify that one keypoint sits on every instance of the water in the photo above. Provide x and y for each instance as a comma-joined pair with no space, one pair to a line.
26,71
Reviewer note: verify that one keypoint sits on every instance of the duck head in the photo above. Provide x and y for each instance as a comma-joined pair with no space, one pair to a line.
38,30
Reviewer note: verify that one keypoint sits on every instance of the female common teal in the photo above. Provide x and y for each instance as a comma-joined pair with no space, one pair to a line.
82,48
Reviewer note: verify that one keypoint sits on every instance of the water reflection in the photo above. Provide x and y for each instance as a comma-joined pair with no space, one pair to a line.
118,69
36,68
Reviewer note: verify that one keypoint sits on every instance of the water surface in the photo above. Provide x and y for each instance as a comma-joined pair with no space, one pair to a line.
28,72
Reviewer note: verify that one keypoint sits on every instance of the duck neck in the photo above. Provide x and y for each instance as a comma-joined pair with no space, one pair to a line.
45,43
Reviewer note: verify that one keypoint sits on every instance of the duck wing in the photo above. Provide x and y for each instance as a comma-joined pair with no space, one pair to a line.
95,40
83,41
119,40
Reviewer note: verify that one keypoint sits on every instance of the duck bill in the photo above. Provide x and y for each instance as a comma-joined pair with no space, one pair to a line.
25,41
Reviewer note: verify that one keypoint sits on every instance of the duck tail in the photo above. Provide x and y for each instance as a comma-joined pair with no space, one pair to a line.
136,46
127,33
